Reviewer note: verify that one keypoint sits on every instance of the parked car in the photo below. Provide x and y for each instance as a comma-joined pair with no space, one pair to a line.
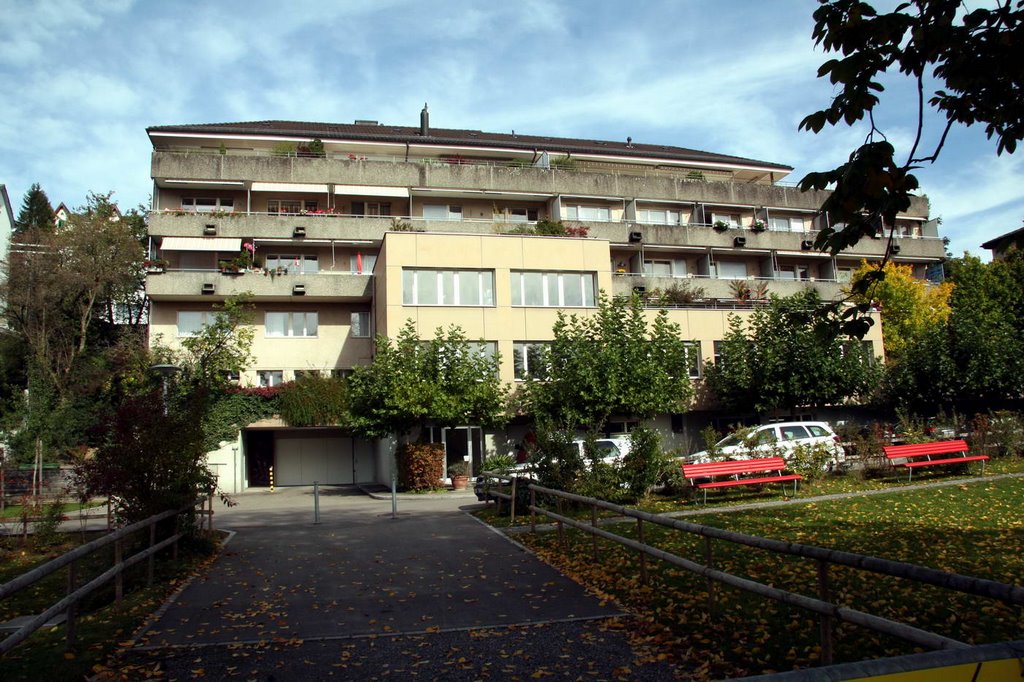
770,440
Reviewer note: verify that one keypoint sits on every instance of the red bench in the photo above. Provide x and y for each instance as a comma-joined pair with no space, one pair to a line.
920,455
735,469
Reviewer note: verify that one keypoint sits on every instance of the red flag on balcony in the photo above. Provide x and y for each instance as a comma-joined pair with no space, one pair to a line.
359,262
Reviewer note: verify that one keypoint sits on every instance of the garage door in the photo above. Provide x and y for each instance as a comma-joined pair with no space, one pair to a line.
303,459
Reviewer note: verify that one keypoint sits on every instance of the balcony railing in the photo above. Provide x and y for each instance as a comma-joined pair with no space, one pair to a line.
174,283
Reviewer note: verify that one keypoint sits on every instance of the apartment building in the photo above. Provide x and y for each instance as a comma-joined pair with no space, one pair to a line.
344,231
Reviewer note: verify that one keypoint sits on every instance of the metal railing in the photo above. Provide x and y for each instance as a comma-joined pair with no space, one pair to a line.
76,593
827,611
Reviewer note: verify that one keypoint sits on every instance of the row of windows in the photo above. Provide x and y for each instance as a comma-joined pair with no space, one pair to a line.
476,288
295,324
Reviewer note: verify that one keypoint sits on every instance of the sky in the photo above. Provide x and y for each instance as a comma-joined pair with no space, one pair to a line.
83,80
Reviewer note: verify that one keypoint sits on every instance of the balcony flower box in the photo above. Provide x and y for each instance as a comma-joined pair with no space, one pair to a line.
154,267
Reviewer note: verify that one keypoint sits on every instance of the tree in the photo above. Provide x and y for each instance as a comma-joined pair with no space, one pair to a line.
36,212
615,361
974,59
445,381
909,306
779,361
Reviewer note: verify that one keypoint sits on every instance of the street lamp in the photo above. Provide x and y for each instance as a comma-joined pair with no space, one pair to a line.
165,372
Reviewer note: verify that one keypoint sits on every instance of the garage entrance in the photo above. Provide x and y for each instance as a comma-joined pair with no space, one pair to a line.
305,456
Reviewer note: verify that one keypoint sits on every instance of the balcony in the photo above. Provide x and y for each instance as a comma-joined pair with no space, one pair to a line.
193,285
718,292
628,182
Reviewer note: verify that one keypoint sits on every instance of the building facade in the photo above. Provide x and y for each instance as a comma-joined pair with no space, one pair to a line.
345,232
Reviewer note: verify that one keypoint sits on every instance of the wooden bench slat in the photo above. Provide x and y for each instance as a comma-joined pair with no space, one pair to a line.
750,481
951,460
736,468
918,455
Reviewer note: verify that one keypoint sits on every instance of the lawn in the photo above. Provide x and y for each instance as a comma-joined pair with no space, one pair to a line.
13,511
976,529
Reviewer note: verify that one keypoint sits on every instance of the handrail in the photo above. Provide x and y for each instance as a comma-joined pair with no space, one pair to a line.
1012,594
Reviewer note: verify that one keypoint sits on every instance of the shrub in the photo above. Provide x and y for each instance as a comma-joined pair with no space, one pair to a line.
811,460
314,400
48,524
1007,433
556,459
420,466
645,462
499,462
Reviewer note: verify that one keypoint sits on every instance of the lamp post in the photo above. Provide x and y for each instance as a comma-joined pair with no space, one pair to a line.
165,372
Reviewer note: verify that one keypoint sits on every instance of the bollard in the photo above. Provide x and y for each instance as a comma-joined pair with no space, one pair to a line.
316,502
271,479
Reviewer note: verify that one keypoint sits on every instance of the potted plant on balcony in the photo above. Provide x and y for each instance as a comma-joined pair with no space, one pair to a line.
720,226
758,225
155,266
459,472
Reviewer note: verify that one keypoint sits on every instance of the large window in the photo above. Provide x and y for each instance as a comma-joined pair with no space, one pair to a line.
294,264
441,212
191,322
270,377
360,325
363,263
291,206
553,289
786,224
657,216
664,268
732,270
693,358
516,215
293,324
371,208
528,358
596,214
448,287
207,204
730,219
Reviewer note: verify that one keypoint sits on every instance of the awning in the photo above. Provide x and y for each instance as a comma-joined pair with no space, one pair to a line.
288,187
371,191
200,244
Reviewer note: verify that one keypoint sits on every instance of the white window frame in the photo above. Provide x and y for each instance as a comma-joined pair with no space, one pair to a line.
647,217
732,263
786,224
304,320
309,264
651,262
521,357
731,219
590,213
218,204
369,261
588,291
205,317
454,212
694,360
270,377
361,329
413,278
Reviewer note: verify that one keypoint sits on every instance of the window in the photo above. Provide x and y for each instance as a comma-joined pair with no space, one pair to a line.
270,377
657,216
659,268
516,215
793,432
730,219
597,214
295,324
448,287
371,208
369,260
792,272
341,373
292,206
553,289
294,264
441,212
786,224
717,359
844,274
732,270
300,373
528,358
207,204
360,325
191,322
693,359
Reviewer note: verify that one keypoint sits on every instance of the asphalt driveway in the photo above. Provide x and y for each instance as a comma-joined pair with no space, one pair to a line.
363,595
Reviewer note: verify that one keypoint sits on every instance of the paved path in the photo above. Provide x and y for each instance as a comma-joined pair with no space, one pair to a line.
366,596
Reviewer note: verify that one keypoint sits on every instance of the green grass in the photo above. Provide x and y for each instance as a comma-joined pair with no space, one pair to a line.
101,625
15,510
975,529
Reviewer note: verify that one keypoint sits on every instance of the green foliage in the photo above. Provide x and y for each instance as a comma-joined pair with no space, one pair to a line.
645,462
221,347
1006,431
48,525
420,466
284,149
445,381
811,460
228,412
499,462
36,212
314,400
555,458
757,369
675,294
458,468
612,362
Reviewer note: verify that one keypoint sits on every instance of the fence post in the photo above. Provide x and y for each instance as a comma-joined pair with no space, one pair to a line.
593,524
512,502
561,531
152,557
271,479
533,510
72,615
110,514
643,556
119,578
710,583
211,513
316,502
825,620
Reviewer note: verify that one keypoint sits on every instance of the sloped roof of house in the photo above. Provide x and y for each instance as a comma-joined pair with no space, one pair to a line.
1003,239
371,131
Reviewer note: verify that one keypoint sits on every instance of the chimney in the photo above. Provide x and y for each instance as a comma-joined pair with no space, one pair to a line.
424,122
